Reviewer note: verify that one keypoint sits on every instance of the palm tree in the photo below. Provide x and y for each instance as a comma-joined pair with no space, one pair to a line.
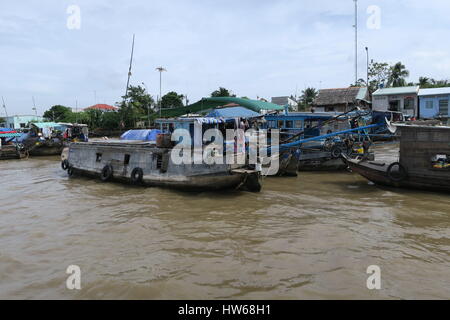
424,82
222,92
307,98
398,75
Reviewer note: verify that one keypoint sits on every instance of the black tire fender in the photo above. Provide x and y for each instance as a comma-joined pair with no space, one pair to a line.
65,164
107,173
70,171
400,175
336,152
136,175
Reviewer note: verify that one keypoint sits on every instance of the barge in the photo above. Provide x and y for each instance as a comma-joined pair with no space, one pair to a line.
150,162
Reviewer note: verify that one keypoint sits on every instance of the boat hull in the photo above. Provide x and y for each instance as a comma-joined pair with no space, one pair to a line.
156,168
378,174
322,165
11,152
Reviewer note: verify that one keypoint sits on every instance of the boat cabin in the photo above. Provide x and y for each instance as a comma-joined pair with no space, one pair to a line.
313,124
425,150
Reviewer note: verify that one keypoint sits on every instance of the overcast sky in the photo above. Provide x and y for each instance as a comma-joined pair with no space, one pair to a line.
253,47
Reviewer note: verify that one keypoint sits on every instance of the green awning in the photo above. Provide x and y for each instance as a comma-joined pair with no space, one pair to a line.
207,104
41,125
9,135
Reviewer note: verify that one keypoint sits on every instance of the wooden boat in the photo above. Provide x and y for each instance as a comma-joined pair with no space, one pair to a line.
320,154
150,163
48,138
424,160
8,148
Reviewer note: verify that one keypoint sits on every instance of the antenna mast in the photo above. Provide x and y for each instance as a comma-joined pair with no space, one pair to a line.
131,63
34,107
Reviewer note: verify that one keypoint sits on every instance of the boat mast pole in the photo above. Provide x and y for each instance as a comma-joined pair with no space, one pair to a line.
4,107
129,69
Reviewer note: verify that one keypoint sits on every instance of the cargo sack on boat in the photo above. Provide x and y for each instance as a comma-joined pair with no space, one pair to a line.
163,140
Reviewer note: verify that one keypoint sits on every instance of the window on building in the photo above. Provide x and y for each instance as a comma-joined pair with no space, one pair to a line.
329,109
280,124
409,104
298,124
429,104
289,124
443,107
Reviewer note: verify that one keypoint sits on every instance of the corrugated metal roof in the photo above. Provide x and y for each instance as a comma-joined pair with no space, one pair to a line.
396,90
362,94
41,125
434,91
102,106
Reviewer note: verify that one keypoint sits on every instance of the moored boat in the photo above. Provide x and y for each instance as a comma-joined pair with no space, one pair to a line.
49,138
9,149
424,160
150,162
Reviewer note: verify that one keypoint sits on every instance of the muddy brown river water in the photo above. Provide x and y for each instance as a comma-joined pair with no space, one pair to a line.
310,237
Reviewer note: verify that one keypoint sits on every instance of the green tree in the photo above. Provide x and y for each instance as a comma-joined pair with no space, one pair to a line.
172,100
110,120
136,104
379,73
58,113
222,92
398,75
424,82
307,98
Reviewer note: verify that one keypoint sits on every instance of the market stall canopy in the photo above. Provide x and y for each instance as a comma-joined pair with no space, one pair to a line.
207,104
42,125
233,112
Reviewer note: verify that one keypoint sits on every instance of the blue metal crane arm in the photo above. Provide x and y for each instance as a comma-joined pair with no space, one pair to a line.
301,141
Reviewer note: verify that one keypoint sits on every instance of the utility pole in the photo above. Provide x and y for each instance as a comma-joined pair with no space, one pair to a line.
356,41
367,82
161,70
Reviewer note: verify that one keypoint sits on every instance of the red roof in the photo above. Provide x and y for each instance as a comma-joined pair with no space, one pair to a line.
104,107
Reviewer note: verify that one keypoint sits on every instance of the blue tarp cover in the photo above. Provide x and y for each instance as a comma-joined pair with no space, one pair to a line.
233,112
141,135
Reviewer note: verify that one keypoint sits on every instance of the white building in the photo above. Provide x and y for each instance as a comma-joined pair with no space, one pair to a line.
400,99
17,122
283,101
